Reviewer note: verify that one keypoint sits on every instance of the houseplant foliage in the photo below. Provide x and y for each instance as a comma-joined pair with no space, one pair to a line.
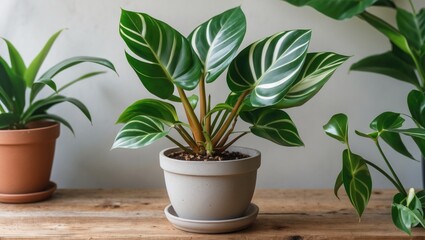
267,76
405,62
20,85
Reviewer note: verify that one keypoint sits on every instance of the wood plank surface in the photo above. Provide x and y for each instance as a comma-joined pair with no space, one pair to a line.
138,214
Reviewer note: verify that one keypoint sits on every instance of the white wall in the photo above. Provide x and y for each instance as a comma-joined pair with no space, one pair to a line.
85,161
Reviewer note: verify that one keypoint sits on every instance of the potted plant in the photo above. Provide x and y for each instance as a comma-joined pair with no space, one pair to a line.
210,182
27,130
405,62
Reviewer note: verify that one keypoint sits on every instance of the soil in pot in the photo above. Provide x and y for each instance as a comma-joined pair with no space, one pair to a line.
226,155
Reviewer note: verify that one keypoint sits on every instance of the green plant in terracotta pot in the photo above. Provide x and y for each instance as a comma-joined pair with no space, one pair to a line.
28,131
266,77
405,62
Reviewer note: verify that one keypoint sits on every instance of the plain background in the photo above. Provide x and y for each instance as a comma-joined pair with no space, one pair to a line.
86,161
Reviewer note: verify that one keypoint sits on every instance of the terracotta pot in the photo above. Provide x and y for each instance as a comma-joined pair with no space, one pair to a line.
211,190
26,158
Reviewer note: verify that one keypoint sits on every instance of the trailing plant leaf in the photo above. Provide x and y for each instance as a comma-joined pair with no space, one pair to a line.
394,140
386,121
338,183
31,72
388,64
412,27
162,111
385,3
274,125
412,132
337,9
162,56
37,86
269,67
317,70
337,127
407,211
217,40
357,180
52,117
416,103
138,132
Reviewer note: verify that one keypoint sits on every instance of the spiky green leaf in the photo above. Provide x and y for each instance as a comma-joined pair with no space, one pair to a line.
160,55
8,119
139,132
153,108
274,125
316,71
337,127
217,40
34,67
357,180
18,65
52,117
269,67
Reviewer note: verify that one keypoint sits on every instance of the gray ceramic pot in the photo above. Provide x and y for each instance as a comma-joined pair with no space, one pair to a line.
211,190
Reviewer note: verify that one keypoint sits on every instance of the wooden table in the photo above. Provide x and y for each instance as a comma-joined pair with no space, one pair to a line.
284,214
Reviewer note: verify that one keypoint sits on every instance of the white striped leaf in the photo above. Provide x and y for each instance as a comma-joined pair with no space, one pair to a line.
357,180
274,125
160,55
139,132
154,108
269,67
217,40
317,69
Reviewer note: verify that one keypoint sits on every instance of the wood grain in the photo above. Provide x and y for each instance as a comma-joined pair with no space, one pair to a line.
138,214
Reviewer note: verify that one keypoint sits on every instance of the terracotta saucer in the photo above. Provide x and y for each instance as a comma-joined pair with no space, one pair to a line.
212,226
29,197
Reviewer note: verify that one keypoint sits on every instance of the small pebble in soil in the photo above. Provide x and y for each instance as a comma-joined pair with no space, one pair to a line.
226,155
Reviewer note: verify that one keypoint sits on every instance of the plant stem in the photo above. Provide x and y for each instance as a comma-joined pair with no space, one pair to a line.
232,142
195,126
223,118
226,136
186,136
208,120
202,100
401,187
229,120
180,145
217,116
413,7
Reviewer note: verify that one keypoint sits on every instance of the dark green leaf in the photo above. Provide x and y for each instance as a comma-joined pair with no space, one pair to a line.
217,40
37,86
386,121
274,125
421,197
337,127
7,92
35,65
85,76
338,184
162,56
51,117
162,111
372,135
139,132
412,27
385,3
412,132
269,67
18,65
337,9
416,103
357,180
407,211
316,71
394,140
7,119
421,144
388,64
389,31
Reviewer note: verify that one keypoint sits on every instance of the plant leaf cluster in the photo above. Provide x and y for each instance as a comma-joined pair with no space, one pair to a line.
264,78
404,62
20,102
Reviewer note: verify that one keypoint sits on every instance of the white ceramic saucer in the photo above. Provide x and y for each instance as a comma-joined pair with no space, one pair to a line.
212,226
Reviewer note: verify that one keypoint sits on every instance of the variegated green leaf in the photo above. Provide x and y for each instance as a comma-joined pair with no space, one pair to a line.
357,180
160,55
316,71
412,132
217,40
139,132
162,111
269,67
274,125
